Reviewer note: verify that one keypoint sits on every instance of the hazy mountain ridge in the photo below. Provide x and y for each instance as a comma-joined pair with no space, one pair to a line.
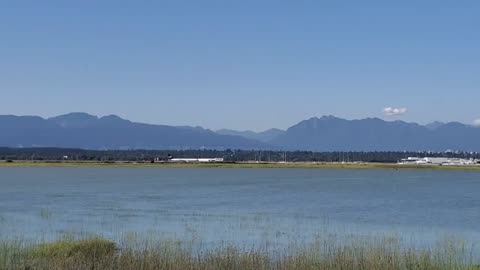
110,132
434,125
264,136
328,133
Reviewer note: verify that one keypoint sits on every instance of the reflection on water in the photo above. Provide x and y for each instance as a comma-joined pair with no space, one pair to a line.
245,207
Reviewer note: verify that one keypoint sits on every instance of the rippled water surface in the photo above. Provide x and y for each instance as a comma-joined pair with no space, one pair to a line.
241,206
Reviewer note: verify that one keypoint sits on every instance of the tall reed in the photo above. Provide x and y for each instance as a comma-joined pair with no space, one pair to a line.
97,253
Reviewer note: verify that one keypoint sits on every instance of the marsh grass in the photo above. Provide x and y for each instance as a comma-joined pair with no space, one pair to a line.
86,248
98,253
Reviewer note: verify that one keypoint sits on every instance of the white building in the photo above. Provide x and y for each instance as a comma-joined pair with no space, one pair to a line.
437,161
196,160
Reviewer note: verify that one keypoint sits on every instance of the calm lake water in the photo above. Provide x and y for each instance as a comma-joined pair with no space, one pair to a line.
247,207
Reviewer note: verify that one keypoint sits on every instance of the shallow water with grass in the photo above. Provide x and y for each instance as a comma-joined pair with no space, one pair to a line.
266,209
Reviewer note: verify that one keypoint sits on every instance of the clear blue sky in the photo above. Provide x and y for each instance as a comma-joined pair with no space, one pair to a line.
241,64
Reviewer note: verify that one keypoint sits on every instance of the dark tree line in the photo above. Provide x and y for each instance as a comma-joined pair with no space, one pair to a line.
229,155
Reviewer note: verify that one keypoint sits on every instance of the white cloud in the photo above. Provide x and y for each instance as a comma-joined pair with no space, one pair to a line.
476,123
389,111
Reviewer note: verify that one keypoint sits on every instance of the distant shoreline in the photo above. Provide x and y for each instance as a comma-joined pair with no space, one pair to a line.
240,165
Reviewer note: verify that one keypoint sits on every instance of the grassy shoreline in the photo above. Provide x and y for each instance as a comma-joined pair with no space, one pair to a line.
244,165
99,253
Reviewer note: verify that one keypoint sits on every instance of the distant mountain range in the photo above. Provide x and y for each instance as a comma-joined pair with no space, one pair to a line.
81,130
265,136
328,133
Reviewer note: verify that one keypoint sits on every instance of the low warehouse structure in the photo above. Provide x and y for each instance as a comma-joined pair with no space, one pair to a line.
437,161
196,160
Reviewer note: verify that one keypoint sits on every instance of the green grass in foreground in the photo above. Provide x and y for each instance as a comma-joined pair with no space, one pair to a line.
99,253
246,165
